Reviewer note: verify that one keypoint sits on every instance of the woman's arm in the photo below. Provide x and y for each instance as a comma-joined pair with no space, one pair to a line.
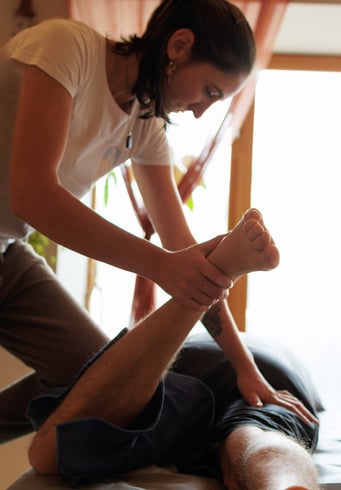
42,126
164,206
166,212
43,119
252,385
218,319
194,275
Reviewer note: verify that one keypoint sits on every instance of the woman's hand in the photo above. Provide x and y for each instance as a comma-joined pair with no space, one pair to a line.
191,279
257,391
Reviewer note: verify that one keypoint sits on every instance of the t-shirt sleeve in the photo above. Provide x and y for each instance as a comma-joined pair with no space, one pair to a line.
152,147
64,49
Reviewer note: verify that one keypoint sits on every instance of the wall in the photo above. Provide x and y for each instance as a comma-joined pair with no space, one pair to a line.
44,10
13,455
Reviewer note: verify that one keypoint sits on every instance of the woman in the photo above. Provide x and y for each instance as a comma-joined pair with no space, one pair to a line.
75,105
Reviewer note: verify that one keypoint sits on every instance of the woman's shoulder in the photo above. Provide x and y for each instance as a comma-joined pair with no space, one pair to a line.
67,50
65,28
57,31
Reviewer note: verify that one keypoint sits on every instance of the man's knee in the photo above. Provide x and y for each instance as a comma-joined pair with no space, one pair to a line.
275,448
250,452
232,454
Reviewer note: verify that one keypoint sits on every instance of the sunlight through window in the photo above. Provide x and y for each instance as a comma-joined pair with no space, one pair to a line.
296,183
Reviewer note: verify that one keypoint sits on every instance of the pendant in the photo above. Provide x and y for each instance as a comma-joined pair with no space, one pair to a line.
129,140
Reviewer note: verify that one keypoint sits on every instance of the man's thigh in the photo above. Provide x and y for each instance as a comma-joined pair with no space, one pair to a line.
171,429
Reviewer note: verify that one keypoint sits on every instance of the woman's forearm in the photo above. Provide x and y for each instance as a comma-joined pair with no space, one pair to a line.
219,322
67,221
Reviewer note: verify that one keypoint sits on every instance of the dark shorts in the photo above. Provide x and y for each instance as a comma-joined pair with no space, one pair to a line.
187,419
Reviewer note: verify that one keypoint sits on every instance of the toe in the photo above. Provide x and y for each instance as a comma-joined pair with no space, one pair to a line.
253,229
253,213
261,241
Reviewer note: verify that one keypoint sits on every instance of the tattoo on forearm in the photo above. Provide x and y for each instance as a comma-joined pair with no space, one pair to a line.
212,321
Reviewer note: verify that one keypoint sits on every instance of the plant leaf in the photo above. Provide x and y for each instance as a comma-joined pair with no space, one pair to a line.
113,176
190,203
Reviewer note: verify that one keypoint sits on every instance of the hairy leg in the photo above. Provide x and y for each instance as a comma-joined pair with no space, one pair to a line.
143,354
254,459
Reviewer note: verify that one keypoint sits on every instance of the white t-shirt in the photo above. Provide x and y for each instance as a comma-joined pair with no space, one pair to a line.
74,55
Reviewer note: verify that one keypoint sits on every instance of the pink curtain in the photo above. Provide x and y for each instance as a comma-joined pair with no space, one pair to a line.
122,17
113,17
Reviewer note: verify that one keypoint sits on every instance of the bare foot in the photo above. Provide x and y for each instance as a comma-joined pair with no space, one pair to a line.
247,248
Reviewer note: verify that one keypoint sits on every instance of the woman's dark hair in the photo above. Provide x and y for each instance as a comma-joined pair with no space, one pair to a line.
222,34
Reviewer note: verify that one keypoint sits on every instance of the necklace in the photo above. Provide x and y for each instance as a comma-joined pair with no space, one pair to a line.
129,138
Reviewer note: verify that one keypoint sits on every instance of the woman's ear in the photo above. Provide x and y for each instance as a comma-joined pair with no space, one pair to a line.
180,44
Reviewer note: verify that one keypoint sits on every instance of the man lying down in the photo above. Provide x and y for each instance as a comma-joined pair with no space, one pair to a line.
199,421
127,409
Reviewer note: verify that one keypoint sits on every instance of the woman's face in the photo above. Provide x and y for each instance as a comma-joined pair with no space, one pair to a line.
195,86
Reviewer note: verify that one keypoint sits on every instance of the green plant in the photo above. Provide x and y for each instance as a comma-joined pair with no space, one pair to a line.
112,176
109,177
42,245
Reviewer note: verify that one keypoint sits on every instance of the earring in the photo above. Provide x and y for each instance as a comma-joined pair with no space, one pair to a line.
169,70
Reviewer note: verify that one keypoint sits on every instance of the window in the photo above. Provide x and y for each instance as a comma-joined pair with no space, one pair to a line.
296,183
